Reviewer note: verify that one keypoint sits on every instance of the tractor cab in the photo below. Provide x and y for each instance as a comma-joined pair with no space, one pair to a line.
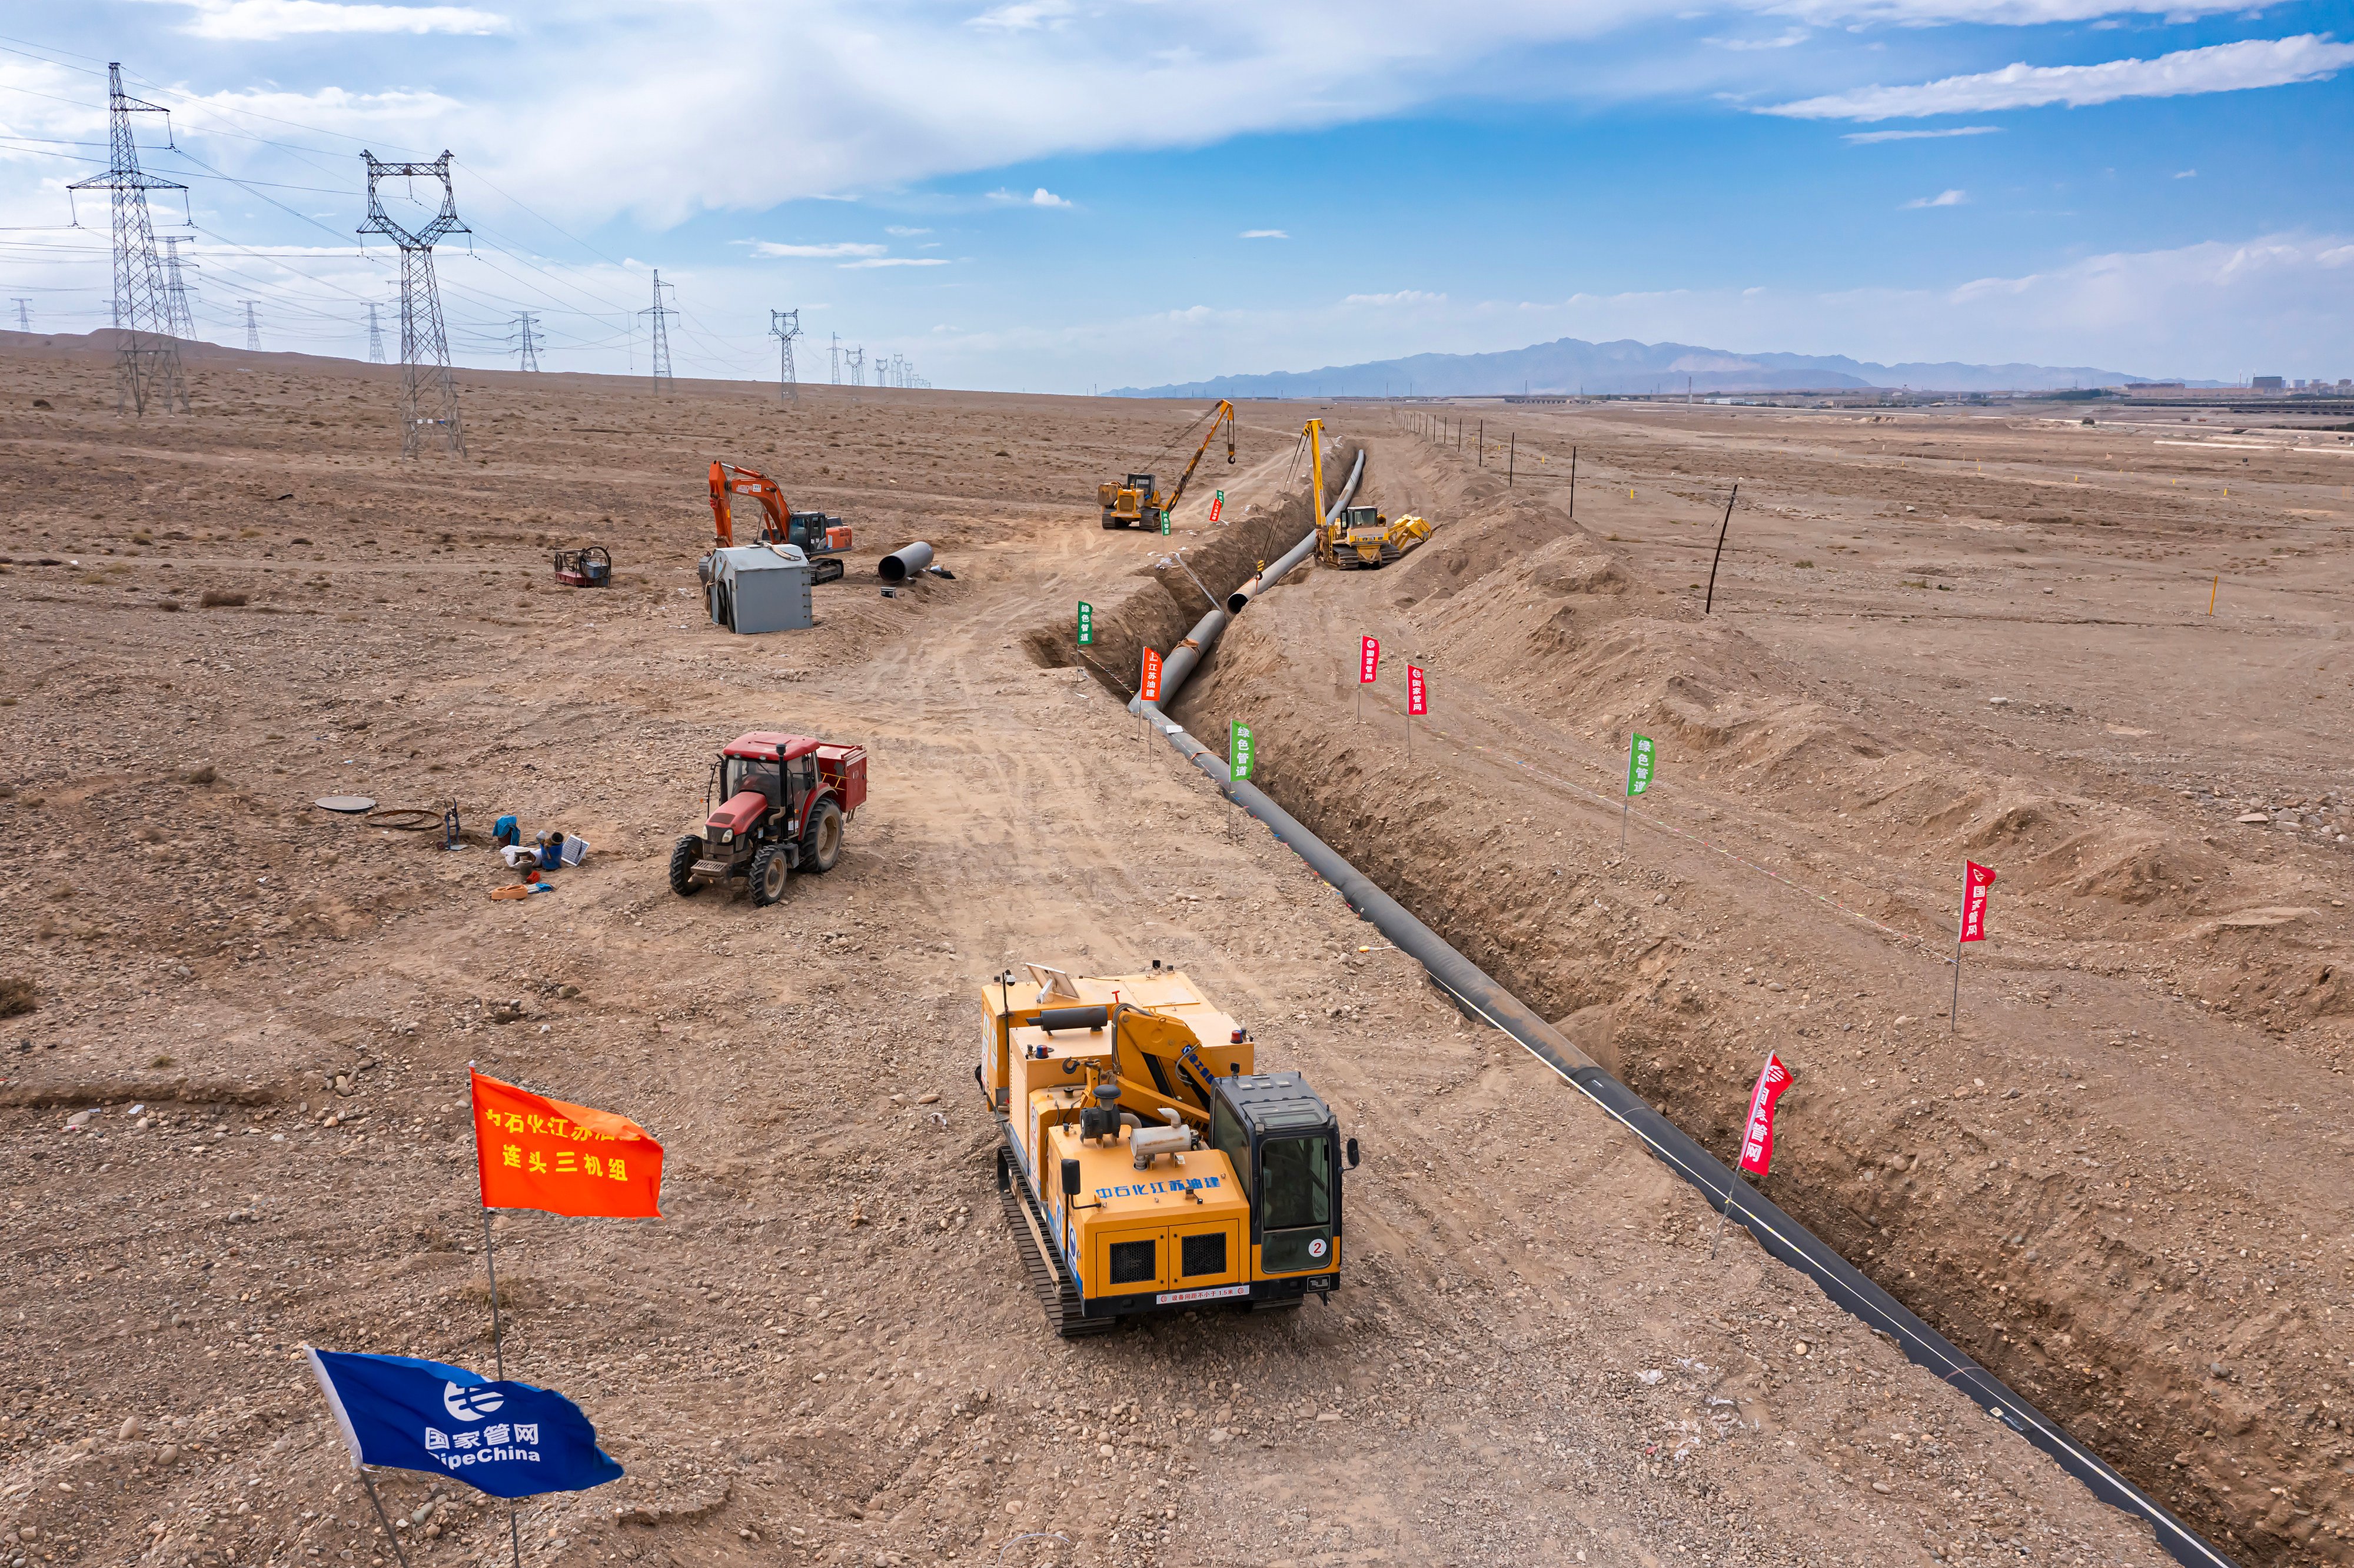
776,805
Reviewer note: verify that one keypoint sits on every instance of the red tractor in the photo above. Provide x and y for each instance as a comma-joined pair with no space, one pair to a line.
782,802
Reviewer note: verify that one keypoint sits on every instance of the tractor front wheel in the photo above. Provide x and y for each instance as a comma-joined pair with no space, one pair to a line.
769,873
683,856
821,842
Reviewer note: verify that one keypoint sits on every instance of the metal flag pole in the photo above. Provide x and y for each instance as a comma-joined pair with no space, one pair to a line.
1573,485
1961,919
498,1336
386,1520
1721,1214
1626,801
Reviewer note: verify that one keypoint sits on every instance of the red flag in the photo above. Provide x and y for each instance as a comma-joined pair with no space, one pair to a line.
1417,700
1368,660
1149,681
1975,881
1757,1142
541,1153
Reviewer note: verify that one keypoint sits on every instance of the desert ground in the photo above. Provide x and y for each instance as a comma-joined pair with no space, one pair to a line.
233,1115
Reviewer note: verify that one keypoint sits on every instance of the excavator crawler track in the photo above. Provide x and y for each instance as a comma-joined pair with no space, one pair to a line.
1056,1292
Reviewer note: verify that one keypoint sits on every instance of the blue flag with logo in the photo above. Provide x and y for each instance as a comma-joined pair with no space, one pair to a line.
508,1439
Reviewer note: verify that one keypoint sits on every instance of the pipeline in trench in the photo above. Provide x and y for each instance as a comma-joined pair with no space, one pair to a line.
1482,997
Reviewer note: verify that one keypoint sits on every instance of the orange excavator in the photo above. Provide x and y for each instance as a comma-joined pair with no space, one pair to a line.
820,536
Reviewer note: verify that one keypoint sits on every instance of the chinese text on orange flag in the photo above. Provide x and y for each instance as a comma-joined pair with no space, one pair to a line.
540,1153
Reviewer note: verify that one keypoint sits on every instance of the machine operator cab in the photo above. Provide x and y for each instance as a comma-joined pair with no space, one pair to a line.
1284,1144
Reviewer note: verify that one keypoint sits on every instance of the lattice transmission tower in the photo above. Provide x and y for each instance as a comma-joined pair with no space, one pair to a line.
252,327
785,326
23,315
175,290
834,361
661,314
526,343
375,338
147,366
428,392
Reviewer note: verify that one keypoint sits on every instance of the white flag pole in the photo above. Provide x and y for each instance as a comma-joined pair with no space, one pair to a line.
1961,923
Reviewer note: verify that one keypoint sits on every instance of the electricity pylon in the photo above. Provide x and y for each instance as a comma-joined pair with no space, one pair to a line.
375,338
661,314
526,347
785,326
252,328
424,343
23,315
834,362
147,366
175,290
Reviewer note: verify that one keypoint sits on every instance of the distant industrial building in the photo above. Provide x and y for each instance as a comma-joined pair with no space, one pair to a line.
2269,384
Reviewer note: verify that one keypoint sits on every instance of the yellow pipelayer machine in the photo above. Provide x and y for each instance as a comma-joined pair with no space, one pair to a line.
1148,1164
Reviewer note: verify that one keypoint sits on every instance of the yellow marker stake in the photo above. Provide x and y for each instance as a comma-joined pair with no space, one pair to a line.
2212,588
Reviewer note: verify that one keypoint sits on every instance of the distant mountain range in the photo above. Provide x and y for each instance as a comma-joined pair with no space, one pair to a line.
1572,365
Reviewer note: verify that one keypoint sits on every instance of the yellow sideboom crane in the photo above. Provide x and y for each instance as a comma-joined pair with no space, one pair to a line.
1360,536
1137,503
1145,1164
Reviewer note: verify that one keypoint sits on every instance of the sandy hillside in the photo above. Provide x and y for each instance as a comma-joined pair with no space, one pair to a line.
826,1352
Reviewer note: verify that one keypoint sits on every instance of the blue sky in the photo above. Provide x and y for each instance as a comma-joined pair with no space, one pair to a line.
1063,193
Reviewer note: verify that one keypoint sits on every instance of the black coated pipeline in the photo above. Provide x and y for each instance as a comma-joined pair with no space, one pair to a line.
1782,1237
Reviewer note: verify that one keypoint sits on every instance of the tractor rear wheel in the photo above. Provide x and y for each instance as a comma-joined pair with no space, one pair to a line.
821,842
683,856
770,874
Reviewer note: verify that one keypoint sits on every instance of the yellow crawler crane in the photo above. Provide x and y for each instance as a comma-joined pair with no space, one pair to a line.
1146,1164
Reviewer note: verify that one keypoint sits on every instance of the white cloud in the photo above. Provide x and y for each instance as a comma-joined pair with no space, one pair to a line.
1866,138
897,261
2221,68
845,248
261,21
1042,197
2187,174
1023,16
1786,40
1943,199
903,232
1403,297
1262,234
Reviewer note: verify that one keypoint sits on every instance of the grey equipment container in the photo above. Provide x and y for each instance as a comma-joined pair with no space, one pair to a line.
758,588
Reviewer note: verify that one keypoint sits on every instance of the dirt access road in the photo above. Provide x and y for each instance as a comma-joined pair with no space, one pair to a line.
234,1122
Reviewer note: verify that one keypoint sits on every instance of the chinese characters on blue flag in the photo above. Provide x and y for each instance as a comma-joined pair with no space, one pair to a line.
509,1439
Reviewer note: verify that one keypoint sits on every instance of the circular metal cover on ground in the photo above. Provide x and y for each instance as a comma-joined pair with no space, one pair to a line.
350,803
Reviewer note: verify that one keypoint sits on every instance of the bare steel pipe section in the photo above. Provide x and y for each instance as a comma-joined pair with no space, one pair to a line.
905,562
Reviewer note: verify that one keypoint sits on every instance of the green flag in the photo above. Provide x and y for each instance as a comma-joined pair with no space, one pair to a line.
1639,764
1241,754
1086,624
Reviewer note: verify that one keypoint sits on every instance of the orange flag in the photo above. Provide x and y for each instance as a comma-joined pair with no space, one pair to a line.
540,1153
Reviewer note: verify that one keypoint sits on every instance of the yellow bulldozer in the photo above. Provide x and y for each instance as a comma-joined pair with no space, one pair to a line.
1362,536
1146,1165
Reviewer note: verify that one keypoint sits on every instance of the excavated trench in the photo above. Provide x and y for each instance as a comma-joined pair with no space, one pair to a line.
1938,1213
